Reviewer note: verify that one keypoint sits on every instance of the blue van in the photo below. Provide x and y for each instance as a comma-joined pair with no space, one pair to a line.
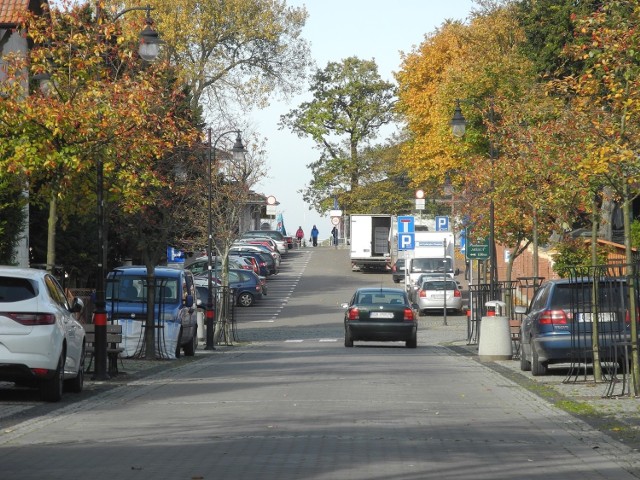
175,305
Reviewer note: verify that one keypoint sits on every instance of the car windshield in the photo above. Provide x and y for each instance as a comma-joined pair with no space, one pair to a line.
438,285
380,298
431,265
16,289
133,288
610,294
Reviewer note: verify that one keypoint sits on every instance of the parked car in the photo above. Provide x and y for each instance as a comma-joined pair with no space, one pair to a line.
558,324
412,287
380,314
274,234
289,240
264,262
271,258
42,345
435,294
174,301
247,286
398,270
200,265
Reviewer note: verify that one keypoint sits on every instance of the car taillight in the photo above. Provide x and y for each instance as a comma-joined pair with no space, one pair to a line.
422,293
29,319
354,314
457,293
553,317
408,315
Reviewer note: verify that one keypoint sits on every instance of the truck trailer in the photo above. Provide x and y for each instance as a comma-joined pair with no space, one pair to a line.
370,241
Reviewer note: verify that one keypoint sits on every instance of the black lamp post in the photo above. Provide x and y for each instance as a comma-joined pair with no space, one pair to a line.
148,50
458,126
238,152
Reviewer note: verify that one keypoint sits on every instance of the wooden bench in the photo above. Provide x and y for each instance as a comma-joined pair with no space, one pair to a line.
114,339
514,329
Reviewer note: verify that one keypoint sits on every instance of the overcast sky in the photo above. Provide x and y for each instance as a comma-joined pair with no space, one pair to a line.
337,29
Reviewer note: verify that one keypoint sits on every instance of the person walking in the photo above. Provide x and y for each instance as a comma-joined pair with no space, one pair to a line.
334,236
314,236
299,236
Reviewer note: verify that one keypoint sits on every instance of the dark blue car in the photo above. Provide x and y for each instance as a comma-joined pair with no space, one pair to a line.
247,287
558,325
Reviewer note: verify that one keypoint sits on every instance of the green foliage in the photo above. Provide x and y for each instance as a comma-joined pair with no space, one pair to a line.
12,217
350,104
635,234
548,28
574,255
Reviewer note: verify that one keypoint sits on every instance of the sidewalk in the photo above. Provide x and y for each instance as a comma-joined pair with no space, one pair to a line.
573,391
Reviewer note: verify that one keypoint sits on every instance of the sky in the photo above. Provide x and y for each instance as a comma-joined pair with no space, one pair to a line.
337,29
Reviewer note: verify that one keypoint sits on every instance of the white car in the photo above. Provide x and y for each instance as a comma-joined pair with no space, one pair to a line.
42,344
435,294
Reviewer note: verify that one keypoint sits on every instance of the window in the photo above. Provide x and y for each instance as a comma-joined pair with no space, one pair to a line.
16,289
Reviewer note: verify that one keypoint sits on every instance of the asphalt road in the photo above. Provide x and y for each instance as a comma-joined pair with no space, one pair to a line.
288,401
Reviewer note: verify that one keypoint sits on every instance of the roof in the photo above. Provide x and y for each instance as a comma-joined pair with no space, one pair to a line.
12,11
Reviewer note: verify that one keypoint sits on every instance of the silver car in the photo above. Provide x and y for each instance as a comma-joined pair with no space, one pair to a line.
435,294
42,344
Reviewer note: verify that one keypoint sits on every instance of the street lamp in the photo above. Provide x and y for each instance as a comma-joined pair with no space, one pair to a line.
149,50
458,126
238,151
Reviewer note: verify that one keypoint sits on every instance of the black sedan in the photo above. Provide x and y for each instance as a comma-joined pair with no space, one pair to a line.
380,314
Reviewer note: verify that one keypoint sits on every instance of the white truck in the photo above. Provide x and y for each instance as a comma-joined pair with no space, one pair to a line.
370,236
432,255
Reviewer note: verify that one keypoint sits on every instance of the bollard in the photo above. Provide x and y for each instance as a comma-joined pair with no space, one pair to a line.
495,334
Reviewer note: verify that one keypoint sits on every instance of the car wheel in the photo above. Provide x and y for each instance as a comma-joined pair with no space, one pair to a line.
76,384
413,341
51,389
190,348
538,368
525,365
245,299
421,313
348,339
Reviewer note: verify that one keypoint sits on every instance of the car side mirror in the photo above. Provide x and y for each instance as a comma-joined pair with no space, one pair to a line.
77,305
188,302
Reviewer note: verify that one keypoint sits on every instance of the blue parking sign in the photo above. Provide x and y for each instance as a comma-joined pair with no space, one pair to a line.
406,241
442,224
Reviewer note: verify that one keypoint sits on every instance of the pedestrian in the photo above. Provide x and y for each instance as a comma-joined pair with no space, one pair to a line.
299,236
314,236
334,235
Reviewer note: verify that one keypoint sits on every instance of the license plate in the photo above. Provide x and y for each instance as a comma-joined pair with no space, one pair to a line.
381,315
602,317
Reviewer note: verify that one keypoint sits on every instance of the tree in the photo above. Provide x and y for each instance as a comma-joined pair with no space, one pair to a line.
234,53
607,95
98,103
350,104
548,28
509,121
12,216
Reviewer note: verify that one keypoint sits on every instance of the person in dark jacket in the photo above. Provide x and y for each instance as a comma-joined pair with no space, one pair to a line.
314,236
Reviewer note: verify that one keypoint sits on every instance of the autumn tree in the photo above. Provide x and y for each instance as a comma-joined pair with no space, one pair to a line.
351,102
607,94
98,103
481,65
234,53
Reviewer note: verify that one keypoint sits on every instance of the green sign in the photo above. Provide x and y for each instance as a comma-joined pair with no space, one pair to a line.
478,252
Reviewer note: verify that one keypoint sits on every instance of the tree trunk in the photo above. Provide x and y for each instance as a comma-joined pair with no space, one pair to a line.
51,232
597,368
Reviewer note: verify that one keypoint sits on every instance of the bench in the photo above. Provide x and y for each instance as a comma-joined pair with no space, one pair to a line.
514,329
114,339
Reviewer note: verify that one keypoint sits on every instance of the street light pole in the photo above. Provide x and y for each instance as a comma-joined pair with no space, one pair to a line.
458,127
149,49
238,152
